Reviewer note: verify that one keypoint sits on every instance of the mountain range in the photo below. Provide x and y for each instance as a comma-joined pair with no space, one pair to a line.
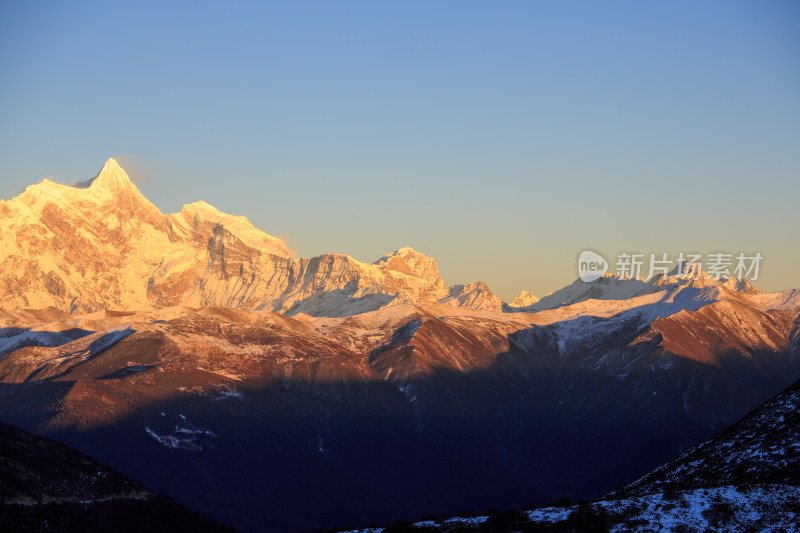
101,244
193,352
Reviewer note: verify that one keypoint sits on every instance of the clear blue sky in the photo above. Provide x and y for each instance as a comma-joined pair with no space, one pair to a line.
501,138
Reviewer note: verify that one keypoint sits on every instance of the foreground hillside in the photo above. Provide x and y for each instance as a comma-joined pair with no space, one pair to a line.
46,486
747,478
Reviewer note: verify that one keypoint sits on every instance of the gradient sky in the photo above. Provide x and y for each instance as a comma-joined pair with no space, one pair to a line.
501,138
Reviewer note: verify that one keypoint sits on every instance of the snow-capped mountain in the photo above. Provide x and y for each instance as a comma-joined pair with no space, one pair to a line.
101,244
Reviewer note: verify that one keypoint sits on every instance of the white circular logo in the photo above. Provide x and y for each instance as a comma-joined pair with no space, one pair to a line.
591,266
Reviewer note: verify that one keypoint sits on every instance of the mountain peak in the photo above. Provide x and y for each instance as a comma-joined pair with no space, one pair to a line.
408,261
524,299
112,164
475,295
111,177
405,250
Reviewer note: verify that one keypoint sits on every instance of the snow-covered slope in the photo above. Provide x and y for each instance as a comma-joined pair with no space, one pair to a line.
689,274
763,508
763,447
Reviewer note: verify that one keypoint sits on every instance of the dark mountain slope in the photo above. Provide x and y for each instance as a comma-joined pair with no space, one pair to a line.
747,478
763,447
47,486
